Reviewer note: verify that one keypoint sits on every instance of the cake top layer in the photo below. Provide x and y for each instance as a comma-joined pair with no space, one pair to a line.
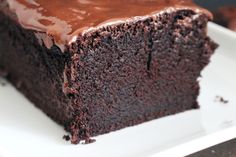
64,20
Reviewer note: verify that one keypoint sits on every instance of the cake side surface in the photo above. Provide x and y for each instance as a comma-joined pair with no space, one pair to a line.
112,76
33,69
137,71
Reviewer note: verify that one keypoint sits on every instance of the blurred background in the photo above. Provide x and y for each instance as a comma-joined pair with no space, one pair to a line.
214,4
224,11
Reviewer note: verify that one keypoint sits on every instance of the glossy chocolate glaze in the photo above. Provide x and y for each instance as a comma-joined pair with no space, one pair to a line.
63,20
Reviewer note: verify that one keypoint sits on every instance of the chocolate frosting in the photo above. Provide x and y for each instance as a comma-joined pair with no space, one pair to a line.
63,20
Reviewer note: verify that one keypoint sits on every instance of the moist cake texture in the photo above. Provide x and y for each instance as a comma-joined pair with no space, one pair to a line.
96,66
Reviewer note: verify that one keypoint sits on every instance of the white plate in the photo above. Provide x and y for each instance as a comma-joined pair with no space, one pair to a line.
26,132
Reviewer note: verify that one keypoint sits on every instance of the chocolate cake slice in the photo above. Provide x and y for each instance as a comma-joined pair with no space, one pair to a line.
95,66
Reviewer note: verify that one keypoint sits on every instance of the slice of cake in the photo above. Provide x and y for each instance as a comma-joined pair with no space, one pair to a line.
96,66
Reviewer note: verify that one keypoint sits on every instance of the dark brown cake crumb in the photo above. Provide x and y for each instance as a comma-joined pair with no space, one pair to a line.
18,84
221,100
66,137
3,73
89,140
